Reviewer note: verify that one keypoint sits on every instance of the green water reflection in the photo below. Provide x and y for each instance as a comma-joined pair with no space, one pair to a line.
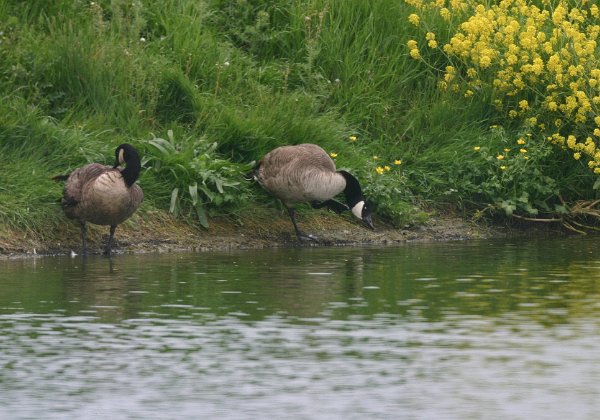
482,329
546,280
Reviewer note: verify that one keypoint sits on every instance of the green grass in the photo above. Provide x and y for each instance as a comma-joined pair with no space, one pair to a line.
222,83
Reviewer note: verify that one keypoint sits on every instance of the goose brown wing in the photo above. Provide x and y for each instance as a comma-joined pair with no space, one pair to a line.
312,155
74,186
291,173
137,196
301,157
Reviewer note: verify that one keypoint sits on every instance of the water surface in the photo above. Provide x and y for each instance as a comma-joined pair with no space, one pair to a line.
482,329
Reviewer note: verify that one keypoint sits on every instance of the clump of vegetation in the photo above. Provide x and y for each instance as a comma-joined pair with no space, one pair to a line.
537,64
489,107
199,178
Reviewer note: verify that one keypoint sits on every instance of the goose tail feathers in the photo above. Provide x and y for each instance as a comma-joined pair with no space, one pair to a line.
59,178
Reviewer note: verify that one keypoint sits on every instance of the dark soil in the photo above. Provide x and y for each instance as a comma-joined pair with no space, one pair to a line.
159,232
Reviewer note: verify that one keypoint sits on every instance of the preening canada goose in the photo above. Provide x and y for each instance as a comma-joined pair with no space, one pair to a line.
306,173
103,195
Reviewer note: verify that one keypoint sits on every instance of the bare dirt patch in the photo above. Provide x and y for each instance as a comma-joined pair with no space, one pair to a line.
154,231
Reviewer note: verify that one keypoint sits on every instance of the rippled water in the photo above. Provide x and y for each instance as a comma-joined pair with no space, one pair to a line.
435,331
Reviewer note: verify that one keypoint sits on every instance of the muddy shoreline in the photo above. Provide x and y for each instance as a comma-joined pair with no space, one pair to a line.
159,232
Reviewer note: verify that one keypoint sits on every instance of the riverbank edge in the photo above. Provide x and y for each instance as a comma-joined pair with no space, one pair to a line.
155,231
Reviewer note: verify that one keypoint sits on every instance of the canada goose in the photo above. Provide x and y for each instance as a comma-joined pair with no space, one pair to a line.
306,173
103,195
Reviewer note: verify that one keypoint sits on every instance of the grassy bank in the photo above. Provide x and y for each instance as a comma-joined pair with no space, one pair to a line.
495,125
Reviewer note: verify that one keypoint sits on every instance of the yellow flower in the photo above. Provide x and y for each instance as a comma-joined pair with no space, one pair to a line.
379,170
333,155
500,157
577,156
414,19
504,167
506,149
485,61
387,168
523,150
445,13
524,105
397,162
375,157
477,148
353,138
521,141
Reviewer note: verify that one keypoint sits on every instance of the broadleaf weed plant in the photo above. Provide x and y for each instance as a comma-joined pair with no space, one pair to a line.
510,175
201,181
383,180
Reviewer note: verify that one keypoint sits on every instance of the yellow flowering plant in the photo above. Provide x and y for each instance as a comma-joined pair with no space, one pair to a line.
537,62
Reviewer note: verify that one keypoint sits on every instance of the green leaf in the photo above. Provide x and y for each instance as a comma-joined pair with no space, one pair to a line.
219,185
597,183
208,193
560,209
163,146
524,197
530,209
174,202
211,148
508,207
194,193
202,215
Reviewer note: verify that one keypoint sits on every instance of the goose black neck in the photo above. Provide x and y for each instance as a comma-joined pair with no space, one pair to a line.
352,191
131,172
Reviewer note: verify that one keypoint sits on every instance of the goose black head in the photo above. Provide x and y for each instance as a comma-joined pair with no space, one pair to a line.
356,201
126,154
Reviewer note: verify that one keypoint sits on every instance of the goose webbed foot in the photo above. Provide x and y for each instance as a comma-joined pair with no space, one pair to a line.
306,237
301,235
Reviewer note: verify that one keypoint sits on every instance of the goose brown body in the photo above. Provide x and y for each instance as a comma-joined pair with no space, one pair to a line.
98,194
297,174
306,173
103,195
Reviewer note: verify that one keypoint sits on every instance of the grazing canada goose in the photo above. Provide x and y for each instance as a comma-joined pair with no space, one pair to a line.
306,173
103,195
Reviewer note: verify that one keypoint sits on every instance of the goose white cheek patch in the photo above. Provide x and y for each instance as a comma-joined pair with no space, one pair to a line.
358,208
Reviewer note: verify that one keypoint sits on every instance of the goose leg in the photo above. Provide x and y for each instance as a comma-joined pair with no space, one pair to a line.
110,240
82,232
301,235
